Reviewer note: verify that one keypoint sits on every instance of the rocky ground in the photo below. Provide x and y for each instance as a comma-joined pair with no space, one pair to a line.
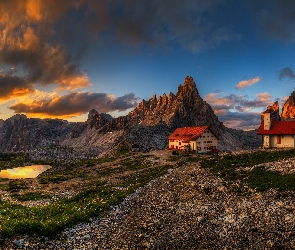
188,208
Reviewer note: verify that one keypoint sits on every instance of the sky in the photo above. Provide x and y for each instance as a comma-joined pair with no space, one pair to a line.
60,59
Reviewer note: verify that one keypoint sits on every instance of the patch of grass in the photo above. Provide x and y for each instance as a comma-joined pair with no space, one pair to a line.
93,202
173,158
4,187
258,179
62,175
3,179
261,180
134,163
30,196
193,159
15,185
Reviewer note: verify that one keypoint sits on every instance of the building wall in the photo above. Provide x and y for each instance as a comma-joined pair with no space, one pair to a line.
285,141
203,144
206,142
266,141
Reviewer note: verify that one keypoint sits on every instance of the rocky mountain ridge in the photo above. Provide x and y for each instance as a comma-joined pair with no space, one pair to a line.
186,108
148,125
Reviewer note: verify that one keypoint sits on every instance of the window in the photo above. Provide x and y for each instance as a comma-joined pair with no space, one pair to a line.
179,143
172,146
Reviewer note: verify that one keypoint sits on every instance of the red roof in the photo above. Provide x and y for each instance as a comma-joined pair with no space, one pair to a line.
278,128
187,133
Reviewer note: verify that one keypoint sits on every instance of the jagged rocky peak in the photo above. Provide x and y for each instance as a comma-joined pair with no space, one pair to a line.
288,111
96,119
274,112
188,87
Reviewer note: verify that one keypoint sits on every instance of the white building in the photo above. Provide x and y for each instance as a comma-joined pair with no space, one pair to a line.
198,139
276,134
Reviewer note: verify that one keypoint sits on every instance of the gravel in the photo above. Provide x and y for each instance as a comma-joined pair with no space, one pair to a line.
188,208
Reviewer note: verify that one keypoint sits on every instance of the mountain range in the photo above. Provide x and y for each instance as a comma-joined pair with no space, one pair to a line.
148,125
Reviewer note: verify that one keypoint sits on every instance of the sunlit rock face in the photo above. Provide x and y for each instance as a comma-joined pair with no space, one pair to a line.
288,112
186,108
97,120
274,112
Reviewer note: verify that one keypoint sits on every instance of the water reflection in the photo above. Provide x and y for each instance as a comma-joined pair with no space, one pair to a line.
24,172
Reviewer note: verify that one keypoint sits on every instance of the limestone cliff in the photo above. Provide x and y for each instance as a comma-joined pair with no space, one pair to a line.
288,111
186,108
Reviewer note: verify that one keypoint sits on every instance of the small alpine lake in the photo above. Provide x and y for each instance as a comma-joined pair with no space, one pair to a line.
24,172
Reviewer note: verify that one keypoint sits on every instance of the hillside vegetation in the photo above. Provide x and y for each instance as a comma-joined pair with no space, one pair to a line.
64,196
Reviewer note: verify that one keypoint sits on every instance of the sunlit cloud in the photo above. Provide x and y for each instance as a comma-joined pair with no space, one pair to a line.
248,83
74,104
28,41
237,111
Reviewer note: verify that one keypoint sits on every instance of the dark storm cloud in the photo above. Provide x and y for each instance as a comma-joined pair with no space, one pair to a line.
14,86
47,39
124,102
240,120
163,23
31,44
74,104
276,18
286,73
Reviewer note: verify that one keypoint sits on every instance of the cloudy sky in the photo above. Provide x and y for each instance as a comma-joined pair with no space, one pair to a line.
59,59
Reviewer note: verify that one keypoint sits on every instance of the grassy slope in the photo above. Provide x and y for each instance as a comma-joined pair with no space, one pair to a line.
97,199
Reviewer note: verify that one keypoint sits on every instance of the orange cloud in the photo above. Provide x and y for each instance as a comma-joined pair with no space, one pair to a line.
26,42
248,83
73,104
13,86
265,97
34,10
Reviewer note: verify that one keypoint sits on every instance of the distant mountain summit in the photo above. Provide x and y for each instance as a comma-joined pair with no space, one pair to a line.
186,108
148,126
